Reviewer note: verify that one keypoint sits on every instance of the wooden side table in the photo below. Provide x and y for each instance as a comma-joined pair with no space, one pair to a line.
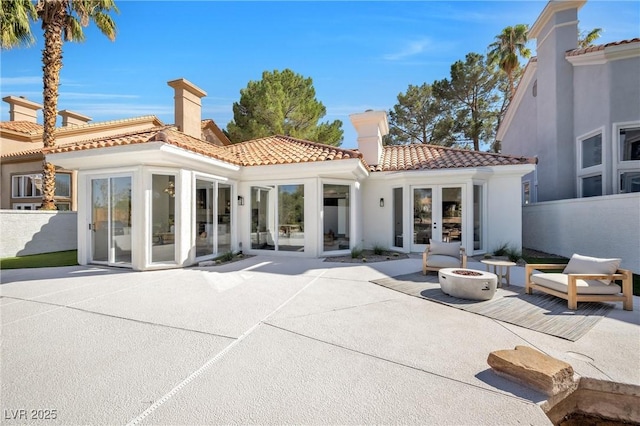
500,268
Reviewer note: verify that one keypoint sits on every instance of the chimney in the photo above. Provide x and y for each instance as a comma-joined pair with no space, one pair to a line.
371,127
188,107
21,109
70,118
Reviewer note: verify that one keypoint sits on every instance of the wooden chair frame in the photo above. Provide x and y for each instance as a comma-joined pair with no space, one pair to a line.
572,297
425,256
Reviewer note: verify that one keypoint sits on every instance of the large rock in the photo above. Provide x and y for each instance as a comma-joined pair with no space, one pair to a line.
533,369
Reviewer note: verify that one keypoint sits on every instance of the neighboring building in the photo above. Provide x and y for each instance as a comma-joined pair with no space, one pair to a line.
21,151
163,197
577,111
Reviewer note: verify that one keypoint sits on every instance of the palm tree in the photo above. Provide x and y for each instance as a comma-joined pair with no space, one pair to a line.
586,39
14,23
62,20
504,51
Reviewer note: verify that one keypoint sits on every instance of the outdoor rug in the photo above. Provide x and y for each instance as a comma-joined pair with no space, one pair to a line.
540,312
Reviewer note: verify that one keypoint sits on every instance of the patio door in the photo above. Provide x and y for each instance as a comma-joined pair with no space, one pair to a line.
111,221
437,215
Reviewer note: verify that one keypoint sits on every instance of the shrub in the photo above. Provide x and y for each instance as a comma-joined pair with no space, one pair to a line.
378,249
356,252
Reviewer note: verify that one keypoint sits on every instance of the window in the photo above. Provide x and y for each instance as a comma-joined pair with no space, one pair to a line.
628,166
336,217
592,186
478,217
277,218
590,164
24,186
63,185
526,192
398,217
26,206
163,214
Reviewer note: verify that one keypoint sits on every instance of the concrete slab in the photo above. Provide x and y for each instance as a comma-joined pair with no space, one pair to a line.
283,340
276,377
94,369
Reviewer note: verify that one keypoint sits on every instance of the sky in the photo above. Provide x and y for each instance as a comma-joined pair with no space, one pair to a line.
359,54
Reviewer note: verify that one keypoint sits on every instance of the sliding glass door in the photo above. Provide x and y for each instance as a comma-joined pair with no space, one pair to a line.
111,221
277,218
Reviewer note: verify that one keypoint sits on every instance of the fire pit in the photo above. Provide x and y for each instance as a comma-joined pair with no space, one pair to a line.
468,283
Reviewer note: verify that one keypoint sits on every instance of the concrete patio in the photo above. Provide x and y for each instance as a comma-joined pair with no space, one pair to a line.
271,340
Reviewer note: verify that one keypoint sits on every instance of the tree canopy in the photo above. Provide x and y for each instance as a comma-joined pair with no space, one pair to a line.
506,48
587,38
471,90
62,20
420,117
283,103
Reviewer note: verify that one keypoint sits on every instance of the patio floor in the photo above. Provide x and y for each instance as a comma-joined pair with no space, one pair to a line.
270,340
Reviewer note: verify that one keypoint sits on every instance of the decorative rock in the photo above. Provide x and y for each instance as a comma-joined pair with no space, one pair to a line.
533,369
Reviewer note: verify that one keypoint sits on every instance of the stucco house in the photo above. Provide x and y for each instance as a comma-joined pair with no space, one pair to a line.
161,196
21,150
577,111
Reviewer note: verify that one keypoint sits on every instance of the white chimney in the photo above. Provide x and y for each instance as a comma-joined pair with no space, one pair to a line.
371,127
70,118
21,109
188,107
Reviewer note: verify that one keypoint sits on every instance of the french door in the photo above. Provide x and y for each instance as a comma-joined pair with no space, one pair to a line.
111,221
437,215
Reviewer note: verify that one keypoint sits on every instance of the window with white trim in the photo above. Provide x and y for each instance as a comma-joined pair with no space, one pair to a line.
24,186
526,192
590,164
63,185
628,165
26,206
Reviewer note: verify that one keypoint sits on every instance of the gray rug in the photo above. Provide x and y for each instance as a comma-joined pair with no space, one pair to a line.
539,311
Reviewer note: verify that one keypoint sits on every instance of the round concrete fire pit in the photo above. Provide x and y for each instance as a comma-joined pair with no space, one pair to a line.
468,283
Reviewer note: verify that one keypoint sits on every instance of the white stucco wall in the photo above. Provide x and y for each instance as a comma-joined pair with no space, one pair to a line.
503,205
607,226
25,232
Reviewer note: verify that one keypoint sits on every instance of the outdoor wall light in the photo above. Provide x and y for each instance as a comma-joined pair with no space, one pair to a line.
381,202
240,200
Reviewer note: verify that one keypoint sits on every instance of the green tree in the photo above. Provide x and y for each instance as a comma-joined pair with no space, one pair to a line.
282,103
586,39
62,20
420,117
504,51
473,98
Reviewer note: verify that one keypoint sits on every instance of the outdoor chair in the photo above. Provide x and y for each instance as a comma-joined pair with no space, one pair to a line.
439,255
584,279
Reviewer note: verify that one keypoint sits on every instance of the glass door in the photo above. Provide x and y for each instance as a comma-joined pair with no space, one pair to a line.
437,215
111,221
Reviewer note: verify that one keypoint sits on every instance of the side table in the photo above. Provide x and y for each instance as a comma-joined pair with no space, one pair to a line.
500,268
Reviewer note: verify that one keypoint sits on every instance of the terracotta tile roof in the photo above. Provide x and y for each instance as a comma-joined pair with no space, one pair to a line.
25,153
433,157
167,134
286,150
29,128
26,127
589,49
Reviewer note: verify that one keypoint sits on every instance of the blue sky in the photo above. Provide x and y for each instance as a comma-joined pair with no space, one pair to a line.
360,54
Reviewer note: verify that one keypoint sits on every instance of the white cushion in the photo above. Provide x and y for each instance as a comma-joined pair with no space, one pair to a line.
592,265
560,282
446,249
441,261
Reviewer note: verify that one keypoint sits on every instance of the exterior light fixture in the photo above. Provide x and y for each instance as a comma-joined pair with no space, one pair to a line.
381,202
240,200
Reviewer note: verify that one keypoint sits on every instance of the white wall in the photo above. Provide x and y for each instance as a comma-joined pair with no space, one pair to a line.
606,226
25,232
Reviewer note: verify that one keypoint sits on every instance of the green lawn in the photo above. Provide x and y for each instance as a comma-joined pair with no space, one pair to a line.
44,260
